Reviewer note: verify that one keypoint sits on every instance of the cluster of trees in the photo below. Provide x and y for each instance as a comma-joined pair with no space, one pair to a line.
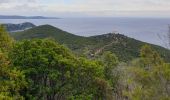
42,69
12,80
147,78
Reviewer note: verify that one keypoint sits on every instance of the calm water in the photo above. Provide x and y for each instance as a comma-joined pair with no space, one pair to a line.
145,29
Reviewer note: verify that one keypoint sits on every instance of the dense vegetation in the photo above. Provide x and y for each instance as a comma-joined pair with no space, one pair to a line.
42,69
124,47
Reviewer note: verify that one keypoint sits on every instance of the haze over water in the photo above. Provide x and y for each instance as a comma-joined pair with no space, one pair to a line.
144,29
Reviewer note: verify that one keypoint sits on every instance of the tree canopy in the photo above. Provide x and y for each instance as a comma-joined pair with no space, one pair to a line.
6,41
54,72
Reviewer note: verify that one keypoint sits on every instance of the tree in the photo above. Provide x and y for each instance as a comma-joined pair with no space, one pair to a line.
148,77
54,72
110,63
6,42
11,80
150,57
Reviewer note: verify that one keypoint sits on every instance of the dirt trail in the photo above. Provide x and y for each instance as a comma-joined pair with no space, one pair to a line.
98,51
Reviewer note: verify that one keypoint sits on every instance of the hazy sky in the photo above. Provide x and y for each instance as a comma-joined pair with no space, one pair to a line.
87,8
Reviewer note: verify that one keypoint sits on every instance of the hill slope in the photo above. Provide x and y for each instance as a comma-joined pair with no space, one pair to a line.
48,31
124,47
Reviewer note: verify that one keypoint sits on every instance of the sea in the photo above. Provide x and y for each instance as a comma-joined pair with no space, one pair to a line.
151,30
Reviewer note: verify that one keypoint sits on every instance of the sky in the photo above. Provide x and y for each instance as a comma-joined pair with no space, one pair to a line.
86,8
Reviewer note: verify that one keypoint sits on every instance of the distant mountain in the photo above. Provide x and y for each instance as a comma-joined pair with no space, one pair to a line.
124,47
18,27
25,17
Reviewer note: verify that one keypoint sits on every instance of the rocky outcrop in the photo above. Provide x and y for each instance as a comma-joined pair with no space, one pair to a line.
18,27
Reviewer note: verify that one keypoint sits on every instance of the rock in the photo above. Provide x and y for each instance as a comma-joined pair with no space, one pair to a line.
18,27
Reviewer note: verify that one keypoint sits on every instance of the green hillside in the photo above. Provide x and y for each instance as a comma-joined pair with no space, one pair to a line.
124,47
44,31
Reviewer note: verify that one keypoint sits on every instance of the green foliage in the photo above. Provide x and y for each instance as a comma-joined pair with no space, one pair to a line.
110,62
11,80
150,57
54,72
149,77
6,41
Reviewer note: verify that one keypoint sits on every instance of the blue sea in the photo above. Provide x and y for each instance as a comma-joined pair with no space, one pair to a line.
151,30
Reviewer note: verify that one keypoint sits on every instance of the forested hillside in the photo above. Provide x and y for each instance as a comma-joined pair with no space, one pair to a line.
124,47
42,69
